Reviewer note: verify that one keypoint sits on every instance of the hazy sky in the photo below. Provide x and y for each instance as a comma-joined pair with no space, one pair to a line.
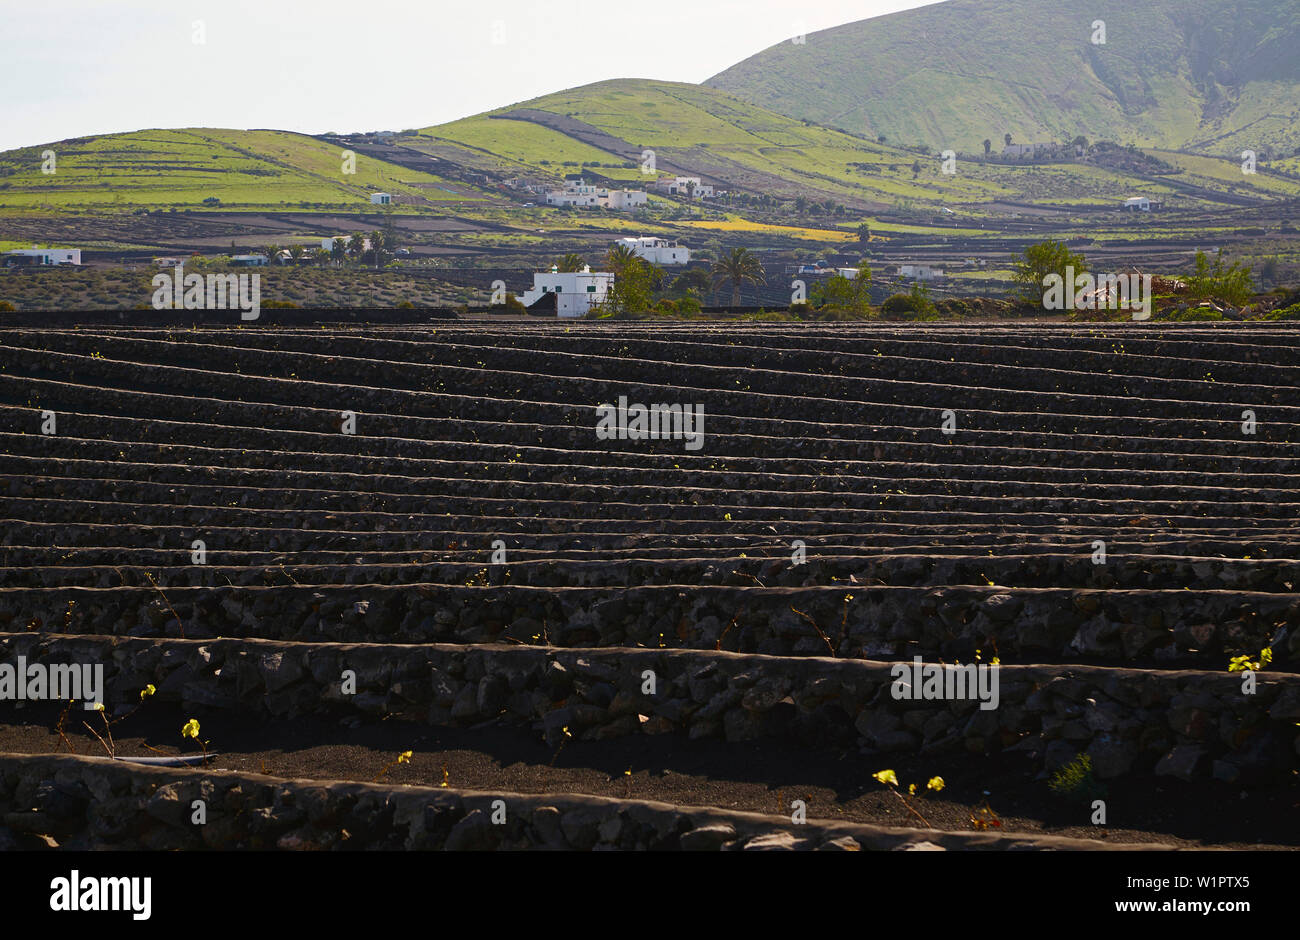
79,67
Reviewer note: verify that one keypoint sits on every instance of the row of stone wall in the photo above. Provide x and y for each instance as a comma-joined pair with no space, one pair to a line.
1130,721
80,803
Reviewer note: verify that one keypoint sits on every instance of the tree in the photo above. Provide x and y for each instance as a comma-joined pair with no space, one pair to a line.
1042,260
738,267
357,247
864,233
377,246
988,145
1212,281
296,254
272,253
839,293
1080,143
619,257
692,281
570,263
631,291
1007,140
339,250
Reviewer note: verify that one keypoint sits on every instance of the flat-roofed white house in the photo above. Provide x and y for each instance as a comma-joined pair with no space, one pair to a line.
690,186
1137,204
920,272
1028,150
578,192
572,293
43,256
657,250
623,199
380,199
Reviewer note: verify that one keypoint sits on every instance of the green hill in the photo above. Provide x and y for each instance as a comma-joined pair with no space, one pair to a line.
605,128
1214,76
257,169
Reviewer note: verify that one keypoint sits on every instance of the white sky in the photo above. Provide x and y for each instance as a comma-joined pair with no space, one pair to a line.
78,67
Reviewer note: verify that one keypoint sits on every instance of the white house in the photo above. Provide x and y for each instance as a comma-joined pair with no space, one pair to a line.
380,199
1027,150
691,186
574,292
657,250
1137,204
248,261
920,272
38,255
578,192
623,199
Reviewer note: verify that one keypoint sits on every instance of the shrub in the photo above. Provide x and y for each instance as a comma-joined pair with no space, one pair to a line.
1283,313
896,305
1190,315
6,307
1075,781
279,305
689,304
1212,280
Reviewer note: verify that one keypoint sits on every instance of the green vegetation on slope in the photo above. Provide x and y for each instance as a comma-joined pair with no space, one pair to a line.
1214,76
241,169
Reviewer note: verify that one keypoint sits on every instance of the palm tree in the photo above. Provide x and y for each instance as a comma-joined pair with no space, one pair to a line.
296,254
738,267
1007,140
377,244
988,145
339,250
272,253
570,263
619,257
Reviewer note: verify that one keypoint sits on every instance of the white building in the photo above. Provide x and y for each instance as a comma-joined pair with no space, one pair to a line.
578,192
623,199
574,292
1137,204
39,255
380,199
920,272
657,250
1027,150
691,186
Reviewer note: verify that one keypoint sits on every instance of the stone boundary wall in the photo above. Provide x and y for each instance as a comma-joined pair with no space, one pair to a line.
1172,625
97,803
1188,724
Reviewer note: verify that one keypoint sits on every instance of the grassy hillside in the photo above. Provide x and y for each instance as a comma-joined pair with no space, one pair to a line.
1215,76
703,132
181,168
696,129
